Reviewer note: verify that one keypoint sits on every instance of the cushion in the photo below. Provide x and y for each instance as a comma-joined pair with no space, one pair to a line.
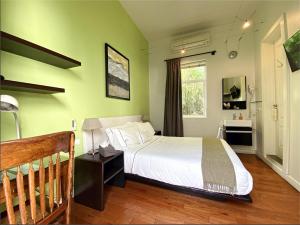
115,138
146,131
130,135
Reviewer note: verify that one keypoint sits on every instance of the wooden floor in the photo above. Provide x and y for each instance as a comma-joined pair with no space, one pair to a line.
274,201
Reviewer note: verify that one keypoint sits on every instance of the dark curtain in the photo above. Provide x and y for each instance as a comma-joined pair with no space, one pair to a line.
173,125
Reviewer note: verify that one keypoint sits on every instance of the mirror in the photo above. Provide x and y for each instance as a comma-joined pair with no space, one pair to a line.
234,93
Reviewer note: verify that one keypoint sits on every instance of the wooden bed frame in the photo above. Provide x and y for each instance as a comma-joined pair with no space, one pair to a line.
190,191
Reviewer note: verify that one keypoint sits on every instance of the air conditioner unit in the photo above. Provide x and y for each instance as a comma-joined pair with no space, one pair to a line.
191,42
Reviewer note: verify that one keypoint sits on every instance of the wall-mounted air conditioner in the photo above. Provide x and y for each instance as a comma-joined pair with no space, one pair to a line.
191,42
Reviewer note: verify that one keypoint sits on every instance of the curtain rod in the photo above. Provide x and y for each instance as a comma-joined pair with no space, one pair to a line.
203,53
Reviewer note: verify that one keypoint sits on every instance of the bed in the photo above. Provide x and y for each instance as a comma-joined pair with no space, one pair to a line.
176,163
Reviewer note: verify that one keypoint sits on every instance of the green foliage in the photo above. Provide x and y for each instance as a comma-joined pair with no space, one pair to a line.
292,46
193,90
193,73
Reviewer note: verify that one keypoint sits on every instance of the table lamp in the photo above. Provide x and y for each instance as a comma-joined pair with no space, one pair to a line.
91,124
10,104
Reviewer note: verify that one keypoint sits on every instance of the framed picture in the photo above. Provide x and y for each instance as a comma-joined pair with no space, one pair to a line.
117,74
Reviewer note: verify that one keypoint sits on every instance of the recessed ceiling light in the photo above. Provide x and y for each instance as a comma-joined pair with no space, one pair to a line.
182,51
246,24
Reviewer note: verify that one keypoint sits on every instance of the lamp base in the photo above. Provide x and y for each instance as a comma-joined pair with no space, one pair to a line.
90,152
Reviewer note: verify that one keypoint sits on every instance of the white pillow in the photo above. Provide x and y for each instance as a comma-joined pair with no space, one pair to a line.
130,135
115,138
146,131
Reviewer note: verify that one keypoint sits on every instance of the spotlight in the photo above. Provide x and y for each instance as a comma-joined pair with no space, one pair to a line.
246,24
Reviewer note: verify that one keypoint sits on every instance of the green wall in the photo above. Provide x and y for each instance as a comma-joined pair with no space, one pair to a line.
79,30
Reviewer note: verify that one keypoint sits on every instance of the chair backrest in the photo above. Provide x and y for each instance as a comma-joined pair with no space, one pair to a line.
41,156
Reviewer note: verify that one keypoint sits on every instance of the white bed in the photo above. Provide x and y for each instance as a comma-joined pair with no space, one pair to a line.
173,160
177,161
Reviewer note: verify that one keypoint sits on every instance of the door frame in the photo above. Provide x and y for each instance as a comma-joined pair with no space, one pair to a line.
268,67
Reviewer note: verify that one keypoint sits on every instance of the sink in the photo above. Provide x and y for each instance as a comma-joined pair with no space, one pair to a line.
238,123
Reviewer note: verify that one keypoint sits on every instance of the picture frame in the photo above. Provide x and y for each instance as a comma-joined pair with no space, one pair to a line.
117,74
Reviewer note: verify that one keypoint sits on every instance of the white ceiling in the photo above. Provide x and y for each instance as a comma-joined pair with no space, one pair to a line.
164,18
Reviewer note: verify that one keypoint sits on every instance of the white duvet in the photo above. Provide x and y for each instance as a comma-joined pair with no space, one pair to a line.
177,161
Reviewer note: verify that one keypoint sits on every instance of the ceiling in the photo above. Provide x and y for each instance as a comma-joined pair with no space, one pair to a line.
164,18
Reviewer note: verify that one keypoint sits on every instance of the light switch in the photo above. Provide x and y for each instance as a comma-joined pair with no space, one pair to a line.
74,125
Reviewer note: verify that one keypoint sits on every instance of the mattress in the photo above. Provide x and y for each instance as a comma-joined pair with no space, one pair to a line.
177,161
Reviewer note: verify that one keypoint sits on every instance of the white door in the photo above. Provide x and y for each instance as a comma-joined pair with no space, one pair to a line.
278,114
274,92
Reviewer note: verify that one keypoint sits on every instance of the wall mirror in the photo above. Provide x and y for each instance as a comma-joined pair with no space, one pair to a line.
234,93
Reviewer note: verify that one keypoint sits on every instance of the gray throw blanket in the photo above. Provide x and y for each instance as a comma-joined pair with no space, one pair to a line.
217,168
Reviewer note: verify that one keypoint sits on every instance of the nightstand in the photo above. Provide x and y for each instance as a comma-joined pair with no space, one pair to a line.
92,173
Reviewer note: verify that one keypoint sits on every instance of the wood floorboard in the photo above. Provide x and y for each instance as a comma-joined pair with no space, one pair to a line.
274,202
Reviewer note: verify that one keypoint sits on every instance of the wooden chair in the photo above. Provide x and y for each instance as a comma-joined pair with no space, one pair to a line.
44,208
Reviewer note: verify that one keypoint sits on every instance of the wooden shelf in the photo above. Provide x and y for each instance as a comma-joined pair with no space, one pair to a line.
18,46
11,85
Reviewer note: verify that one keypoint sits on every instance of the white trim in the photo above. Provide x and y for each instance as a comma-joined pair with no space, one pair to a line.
205,92
259,154
293,182
194,116
204,81
194,81
193,63
286,92
280,172
281,23
245,151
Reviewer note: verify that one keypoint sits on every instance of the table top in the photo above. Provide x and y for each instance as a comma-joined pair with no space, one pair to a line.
97,158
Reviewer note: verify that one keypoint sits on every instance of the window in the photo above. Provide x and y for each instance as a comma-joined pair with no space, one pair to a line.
193,76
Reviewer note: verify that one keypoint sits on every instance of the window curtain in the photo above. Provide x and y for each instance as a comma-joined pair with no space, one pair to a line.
173,124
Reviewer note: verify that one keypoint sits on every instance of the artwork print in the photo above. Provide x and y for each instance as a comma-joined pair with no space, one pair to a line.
117,74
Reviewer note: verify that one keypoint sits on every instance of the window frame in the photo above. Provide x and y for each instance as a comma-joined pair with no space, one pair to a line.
191,64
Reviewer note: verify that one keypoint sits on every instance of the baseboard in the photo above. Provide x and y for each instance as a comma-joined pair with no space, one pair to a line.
252,152
259,154
275,167
278,170
243,150
293,182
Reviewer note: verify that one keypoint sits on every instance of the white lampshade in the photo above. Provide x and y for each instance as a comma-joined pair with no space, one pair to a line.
8,104
91,124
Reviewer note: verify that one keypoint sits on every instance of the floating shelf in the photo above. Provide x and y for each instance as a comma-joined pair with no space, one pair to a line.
11,85
18,46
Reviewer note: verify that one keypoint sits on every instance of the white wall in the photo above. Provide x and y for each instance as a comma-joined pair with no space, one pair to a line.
269,12
248,63
219,66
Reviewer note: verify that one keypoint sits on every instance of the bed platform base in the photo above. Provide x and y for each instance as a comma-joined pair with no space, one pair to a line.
190,191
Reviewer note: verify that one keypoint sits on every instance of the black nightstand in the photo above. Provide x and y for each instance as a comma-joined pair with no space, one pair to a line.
157,132
92,172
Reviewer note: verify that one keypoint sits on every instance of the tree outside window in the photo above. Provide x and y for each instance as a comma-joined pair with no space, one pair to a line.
193,76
